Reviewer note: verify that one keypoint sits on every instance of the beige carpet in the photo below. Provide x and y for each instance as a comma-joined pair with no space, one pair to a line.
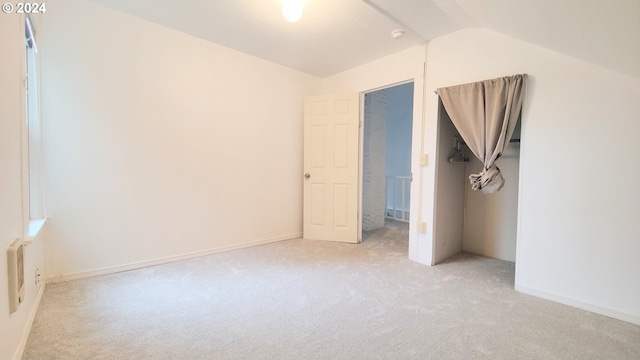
318,300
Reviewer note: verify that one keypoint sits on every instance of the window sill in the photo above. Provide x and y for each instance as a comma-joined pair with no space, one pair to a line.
34,229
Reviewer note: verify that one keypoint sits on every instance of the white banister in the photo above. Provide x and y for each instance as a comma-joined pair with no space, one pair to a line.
393,210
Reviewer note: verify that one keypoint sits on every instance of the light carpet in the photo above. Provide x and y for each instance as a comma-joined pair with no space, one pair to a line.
303,299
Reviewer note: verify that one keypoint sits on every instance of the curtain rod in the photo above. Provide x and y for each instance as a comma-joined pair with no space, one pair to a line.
511,141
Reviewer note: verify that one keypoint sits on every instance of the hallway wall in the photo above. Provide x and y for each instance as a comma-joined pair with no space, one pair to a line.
374,159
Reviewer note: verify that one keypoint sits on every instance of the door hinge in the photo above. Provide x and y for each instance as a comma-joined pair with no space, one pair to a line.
360,123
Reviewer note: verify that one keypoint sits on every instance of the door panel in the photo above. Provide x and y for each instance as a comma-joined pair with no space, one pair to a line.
331,167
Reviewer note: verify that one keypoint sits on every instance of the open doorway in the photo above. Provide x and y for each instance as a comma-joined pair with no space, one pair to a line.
386,161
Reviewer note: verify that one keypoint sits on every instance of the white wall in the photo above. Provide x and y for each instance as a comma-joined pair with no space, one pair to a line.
14,327
160,144
449,193
406,65
579,200
491,220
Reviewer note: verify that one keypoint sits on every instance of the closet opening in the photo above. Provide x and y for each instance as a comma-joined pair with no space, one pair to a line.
468,220
386,163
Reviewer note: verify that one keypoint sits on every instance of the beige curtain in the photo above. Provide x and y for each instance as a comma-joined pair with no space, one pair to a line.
485,114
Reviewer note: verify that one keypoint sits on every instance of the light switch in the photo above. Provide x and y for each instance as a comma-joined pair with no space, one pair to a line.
424,159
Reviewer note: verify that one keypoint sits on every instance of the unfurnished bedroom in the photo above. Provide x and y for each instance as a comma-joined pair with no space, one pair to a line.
319,179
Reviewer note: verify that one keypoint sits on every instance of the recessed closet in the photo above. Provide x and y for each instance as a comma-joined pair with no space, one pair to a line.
470,220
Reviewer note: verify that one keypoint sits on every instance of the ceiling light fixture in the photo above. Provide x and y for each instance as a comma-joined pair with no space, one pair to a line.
292,9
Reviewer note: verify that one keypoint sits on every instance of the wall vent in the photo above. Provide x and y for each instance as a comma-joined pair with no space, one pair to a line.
15,262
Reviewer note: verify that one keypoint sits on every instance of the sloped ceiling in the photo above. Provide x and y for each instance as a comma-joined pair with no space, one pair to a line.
335,35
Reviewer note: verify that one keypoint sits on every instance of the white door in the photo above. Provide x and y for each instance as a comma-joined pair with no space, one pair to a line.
331,167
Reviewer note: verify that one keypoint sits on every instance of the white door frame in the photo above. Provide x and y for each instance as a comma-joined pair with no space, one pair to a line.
413,195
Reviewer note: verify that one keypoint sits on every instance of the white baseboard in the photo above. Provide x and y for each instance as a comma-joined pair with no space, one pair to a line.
420,260
165,260
27,330
634,319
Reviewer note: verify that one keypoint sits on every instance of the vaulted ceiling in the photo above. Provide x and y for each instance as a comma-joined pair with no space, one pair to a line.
335,35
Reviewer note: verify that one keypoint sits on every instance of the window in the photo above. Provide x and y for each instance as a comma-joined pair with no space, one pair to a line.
33,125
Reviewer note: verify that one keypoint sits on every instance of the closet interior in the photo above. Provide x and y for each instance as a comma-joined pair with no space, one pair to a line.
469,220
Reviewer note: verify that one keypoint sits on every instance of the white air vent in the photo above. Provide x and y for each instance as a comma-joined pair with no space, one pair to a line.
15,262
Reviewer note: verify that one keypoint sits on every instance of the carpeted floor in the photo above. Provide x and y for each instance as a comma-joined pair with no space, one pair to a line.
318,300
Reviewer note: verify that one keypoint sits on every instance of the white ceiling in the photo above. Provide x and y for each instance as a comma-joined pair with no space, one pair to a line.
335,35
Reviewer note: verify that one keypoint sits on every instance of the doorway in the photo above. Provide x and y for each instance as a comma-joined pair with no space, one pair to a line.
386,158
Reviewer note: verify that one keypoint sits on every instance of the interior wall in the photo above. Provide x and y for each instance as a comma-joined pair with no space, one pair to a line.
160,144
14,326
450,193
374,159
399,126
578,196
400,67
491,220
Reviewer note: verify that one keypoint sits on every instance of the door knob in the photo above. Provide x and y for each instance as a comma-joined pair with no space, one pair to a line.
307,175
